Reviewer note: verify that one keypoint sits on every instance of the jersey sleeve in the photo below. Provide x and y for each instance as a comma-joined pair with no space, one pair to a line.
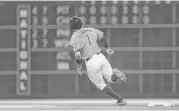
99,34
77,43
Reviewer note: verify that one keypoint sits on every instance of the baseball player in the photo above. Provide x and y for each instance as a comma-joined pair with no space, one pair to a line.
85,45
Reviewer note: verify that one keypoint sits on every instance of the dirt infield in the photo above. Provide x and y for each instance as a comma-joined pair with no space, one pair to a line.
83,104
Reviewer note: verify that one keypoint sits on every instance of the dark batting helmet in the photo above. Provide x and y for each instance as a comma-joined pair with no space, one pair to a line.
75,22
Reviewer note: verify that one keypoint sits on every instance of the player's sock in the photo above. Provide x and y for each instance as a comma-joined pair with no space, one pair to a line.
108,90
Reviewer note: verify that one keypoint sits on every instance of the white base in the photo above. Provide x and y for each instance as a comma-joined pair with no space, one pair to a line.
161,103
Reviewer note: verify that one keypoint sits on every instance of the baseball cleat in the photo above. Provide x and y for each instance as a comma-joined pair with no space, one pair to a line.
119,74
121,103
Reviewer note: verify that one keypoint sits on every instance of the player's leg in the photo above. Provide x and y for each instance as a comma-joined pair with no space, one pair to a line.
122,77
108,74
98,81
94,73
108,71
101,85
112,75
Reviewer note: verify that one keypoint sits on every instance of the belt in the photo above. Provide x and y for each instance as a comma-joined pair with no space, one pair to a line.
92,55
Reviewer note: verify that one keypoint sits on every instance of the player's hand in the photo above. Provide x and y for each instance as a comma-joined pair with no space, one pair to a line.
80,70
110,51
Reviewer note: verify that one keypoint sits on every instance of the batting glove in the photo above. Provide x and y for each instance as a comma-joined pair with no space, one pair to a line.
80,70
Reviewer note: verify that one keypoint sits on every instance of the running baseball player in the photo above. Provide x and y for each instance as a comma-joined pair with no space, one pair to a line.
85,45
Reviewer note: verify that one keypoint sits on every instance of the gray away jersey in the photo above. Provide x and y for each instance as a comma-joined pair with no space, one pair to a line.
85,41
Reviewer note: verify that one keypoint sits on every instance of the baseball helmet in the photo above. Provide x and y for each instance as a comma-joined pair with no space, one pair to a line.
75,22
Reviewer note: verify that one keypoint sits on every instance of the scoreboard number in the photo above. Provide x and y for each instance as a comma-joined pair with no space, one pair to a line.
23,23
23,44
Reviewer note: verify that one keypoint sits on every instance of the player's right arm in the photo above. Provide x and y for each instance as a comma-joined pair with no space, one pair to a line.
102,39
78,58
78,44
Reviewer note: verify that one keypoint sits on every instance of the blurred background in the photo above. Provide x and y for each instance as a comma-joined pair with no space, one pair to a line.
37,62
